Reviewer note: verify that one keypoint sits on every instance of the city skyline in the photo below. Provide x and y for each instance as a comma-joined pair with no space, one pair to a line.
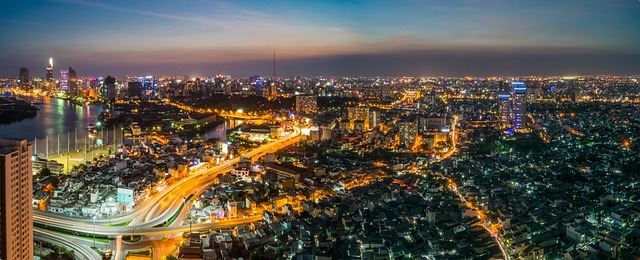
354,38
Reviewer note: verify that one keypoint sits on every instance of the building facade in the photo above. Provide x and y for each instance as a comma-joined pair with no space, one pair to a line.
504,110
306,104
24,76
108,88
49,73
408,129
72,82
519,105
64,81
16,210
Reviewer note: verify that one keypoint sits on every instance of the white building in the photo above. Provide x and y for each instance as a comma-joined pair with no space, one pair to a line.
125,197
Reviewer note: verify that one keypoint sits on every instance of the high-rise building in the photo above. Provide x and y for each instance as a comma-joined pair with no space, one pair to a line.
273,88
358,113
519,105
306,104
504,110
92,88
193,88
134,89
24,76
370,117
49,75
108,88
408,130
72,79
374,118
64,81
148,86
16,210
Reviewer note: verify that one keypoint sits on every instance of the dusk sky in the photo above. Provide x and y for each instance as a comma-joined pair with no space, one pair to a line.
341,38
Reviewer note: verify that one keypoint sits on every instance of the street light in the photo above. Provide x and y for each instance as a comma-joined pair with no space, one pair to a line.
94,230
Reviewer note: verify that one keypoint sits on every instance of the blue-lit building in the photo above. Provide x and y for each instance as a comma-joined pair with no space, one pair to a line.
519,105
148,86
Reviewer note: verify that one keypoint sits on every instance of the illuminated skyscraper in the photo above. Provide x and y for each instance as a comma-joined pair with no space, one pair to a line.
72,82
370,117
374,118
16,210
519,105
148,86
504,110
24,76
273,88
64,81
49,75
108,88
408,130
358,113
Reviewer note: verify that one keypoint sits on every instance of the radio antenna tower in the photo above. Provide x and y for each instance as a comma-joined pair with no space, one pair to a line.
274,63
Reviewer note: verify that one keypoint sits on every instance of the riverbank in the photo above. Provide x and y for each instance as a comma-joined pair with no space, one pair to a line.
12,110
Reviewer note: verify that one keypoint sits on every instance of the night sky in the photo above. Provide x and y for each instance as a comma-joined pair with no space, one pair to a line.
340,38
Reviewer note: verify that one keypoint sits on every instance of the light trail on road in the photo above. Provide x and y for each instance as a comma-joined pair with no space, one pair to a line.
140,222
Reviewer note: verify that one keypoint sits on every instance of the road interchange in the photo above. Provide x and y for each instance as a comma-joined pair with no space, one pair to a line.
148,217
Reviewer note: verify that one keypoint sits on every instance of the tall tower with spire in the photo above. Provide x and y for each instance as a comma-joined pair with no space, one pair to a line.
49,75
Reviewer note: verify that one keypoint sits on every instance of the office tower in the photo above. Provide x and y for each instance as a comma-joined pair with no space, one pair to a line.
407,132
306,104
108,88
24,76
519,105
358,118
16,216
504,110
49,75
148,86
64,81
358,113
134,89
72,82
369,117
92,88
192,88
374,118
273,88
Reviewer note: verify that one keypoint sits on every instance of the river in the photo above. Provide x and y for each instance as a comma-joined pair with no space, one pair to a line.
57,119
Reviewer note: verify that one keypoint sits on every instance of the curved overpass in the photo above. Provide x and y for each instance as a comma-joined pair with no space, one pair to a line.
81,252
167,202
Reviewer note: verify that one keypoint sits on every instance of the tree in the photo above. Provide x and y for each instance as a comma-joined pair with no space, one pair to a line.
44,173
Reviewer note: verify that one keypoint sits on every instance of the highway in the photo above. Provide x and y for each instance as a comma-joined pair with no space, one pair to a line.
161,206
82,252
